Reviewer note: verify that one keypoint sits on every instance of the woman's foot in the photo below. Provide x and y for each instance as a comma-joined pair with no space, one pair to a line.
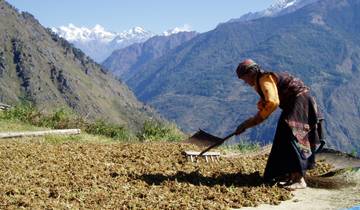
283,180
294,181
300,184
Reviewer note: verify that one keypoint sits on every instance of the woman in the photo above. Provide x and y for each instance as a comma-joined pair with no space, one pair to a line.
299,132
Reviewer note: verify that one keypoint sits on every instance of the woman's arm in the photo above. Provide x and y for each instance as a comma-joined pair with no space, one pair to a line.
265,107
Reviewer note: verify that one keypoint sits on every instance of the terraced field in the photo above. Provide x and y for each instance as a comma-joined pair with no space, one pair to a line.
38,174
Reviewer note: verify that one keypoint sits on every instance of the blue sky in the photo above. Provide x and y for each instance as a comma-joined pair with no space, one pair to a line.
154,15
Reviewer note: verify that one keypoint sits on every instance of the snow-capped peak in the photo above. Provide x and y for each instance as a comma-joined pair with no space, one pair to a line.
137,30
136,34
280,7
83,34
73,33
184,28
290,4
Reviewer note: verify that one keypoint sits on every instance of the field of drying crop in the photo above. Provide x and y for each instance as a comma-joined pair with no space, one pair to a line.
40,175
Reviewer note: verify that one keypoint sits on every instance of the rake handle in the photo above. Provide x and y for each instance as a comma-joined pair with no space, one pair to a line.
218,143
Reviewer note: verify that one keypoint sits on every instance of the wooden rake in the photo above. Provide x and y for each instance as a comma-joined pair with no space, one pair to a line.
204,139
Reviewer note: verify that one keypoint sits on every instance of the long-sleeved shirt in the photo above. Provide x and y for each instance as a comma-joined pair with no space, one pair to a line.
271,100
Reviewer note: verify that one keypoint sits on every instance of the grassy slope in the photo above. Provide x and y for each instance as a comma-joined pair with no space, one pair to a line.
15,125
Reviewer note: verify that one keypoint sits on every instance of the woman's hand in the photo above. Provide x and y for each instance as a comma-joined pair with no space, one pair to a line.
261,104
248,124
241,128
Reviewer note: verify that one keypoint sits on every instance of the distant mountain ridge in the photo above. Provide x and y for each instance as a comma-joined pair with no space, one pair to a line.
125,62
37,65
196,86
280,7
99,43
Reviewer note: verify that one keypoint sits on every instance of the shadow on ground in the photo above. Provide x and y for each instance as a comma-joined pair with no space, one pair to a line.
196,178
336,179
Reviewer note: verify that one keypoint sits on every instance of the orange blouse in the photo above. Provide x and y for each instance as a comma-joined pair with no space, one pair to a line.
268,86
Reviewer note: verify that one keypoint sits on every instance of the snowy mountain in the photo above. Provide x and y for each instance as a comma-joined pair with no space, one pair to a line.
74,33
280,7
185,28
98,43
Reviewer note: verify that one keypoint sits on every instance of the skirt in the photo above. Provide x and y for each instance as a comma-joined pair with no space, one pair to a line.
296,139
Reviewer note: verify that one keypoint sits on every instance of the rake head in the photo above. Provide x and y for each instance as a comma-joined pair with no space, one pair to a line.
203,139
193,156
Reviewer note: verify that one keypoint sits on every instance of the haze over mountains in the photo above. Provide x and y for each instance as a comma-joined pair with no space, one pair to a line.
195,84
37,65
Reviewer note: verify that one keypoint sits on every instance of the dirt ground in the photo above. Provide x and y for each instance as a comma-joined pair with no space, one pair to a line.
345,193
321,199
312,198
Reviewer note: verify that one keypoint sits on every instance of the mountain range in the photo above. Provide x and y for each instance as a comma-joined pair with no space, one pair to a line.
280,7
38,66
99,43
195,84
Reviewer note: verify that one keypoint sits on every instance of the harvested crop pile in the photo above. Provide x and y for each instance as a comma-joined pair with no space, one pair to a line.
38,175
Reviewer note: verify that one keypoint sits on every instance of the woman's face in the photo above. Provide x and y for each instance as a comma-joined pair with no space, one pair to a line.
249,78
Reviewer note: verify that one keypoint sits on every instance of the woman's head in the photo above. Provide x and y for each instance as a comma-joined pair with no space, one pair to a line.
247,71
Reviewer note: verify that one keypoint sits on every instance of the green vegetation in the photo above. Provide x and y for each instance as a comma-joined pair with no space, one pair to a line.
354,153
114,131
156,131
28,114
26,117
63,119
16,125
243,146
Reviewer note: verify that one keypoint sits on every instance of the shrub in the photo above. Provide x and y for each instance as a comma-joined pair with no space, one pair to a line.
24,112
247,146
116,132
354,153
157,131
63,119
243,146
